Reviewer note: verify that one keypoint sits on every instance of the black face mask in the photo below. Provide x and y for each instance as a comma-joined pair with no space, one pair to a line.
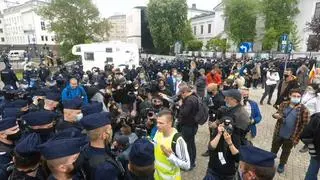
14,137
226,88
286,76
44,131
210,93
245,100
158,106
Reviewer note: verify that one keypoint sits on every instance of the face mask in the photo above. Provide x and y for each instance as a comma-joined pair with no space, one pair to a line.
158,106
240,174
295,100
311,91
14,137
44,131
210,93
79,117
228,105
179,78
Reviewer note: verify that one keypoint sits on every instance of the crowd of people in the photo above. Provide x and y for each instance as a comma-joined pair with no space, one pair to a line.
141,122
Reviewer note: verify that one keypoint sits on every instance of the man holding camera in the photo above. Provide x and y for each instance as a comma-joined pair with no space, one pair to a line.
241,118
224,153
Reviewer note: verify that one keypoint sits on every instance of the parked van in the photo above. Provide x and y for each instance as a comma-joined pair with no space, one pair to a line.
16,55
113,52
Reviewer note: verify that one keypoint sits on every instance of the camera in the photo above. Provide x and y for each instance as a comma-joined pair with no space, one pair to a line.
228,126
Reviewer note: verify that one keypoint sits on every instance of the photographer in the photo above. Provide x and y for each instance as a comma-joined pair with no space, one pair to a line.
224,153
215,101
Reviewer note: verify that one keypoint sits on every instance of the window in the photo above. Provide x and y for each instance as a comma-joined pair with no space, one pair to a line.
43,26
52,38
201,29
46,38
109,50
89,56
2,39
42,38
109,60
1,30
194,30
78,49
0,21
317,10
209,28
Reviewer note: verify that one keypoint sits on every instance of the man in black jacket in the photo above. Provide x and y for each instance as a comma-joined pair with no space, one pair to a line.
188,125
289,82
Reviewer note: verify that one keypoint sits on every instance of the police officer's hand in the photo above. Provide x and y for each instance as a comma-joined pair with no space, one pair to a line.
166,151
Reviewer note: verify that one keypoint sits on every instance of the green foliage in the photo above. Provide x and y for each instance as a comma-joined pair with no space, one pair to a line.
241,19
74,22
314,40
218,45
168,23
194,45
268,41
279,19
294,38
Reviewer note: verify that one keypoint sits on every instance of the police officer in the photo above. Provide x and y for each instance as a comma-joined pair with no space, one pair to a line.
44,72
71,116
26,159
40,122
97,162
9,133
61,154
141,161
9,77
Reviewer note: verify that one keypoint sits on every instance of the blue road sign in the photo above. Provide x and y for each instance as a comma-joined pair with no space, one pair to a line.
284,42
284,37
246,47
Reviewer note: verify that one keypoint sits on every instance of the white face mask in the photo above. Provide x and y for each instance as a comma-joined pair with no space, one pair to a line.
79,117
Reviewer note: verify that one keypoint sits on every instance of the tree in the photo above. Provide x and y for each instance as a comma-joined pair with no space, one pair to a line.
218,45
168,23
314,39
74,22
279,19
194,45
241,19
294,38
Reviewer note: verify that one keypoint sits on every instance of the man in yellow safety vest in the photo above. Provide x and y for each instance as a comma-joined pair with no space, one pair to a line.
170,150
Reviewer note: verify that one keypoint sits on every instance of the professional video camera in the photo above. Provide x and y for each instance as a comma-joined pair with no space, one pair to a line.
228,125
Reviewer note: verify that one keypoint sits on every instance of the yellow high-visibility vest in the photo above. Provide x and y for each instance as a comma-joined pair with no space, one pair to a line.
164,169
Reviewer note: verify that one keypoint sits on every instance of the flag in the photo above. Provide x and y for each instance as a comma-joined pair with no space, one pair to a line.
312,73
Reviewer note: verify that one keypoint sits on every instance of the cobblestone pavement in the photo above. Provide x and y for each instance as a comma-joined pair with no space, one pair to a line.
297,164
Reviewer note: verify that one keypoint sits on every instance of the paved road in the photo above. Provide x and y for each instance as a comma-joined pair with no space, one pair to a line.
297,164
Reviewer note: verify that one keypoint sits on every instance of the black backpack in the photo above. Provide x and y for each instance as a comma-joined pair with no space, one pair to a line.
202,114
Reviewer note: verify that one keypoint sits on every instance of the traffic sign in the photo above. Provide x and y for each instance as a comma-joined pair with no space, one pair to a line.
246,47
284,42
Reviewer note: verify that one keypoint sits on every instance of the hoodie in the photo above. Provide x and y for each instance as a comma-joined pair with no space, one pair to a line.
68,94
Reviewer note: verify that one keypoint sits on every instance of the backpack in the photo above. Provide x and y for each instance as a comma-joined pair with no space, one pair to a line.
174,141
202,114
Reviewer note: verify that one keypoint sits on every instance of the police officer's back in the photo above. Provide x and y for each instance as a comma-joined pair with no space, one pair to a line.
97,162
9,77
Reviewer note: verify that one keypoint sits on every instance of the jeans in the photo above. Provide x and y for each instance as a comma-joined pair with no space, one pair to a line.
188,133
313,169
286,146
268,91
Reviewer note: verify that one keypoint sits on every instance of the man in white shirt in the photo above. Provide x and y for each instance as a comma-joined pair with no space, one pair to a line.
271,83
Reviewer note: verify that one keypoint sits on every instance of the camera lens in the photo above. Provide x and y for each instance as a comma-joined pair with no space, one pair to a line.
150,114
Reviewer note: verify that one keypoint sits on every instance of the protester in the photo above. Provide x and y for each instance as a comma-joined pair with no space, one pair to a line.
291,118
74,90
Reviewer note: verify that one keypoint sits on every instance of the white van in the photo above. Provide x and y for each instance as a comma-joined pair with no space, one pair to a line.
113,52
16,55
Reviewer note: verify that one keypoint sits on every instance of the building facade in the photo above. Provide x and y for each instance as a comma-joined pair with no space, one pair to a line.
118,30
24,27
138,31
202,27
308,9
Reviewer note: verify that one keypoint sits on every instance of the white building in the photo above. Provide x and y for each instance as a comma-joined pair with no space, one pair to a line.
23,26
118,30
308,9
202,27
133,26
193,11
